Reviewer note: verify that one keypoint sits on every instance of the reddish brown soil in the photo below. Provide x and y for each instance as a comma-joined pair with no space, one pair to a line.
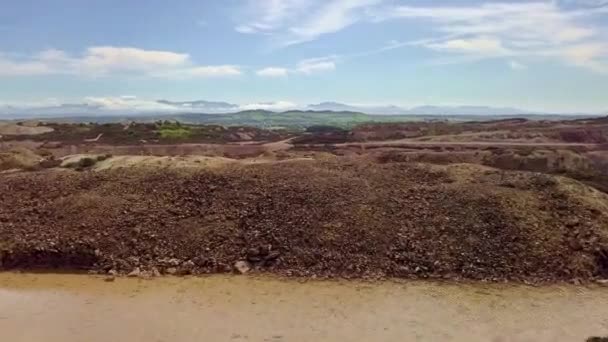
343,217
593,131
147,133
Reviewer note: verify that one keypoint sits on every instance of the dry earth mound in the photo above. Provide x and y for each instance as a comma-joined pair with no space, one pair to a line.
345,217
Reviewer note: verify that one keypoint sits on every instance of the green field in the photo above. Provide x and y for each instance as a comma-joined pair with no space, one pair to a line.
290,119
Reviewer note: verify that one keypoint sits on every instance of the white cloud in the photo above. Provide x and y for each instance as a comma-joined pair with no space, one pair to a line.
591,3
541,29
200,72
332,17
515,65
122,103
245,29
593,56
273,106
269,15
135,104
304,67
108,58
12,68
534,29
296,21
105,60
478,45
94,105
316,65
272,72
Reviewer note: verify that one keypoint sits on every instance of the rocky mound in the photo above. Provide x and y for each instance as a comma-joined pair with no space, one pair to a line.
347,218
18,158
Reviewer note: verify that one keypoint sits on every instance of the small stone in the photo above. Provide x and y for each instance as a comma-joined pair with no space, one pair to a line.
109,278
171,270
242,266
273,255
254,258
174,262
575,245
253,252
573,222
135,273
133,260
155,272
113,272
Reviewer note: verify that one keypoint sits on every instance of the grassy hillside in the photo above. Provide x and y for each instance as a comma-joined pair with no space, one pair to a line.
256,118
295,119
292,119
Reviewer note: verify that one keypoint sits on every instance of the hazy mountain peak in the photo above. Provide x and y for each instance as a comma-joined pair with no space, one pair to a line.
135,106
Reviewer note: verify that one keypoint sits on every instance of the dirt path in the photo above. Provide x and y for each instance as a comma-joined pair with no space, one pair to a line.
71,308
478,144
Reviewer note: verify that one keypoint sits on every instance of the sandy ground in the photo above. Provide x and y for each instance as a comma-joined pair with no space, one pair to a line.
12,129
69,308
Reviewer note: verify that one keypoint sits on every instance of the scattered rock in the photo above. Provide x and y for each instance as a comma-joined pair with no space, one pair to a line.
172,262
155,272
597,339
109,278
326,218
575,244
135,273
242,266
272,256
603,282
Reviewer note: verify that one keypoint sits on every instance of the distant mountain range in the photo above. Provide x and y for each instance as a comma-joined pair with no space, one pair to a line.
421,110
130,106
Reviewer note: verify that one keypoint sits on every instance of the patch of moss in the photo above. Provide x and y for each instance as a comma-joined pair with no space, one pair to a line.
174,133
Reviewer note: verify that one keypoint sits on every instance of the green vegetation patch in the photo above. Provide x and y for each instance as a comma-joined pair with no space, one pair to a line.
174,130
179,133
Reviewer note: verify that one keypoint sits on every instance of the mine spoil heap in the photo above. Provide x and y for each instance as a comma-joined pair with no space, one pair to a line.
334,218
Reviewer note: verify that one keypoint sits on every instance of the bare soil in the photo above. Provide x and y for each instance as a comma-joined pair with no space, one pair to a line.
504,200
142,133
338,217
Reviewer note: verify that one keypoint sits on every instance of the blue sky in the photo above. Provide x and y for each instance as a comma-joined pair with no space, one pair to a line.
539,55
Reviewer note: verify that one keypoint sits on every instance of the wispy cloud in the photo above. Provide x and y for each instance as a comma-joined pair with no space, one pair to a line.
108,60
315,65
487,46
588,3
562,30
272,72
304,67
135,104
273,106
270,15
515,65
523,29
296,21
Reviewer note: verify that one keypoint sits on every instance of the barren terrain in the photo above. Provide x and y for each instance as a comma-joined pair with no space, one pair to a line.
524,201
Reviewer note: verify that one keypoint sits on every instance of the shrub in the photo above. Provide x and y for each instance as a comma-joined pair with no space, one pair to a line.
82,164
104,157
